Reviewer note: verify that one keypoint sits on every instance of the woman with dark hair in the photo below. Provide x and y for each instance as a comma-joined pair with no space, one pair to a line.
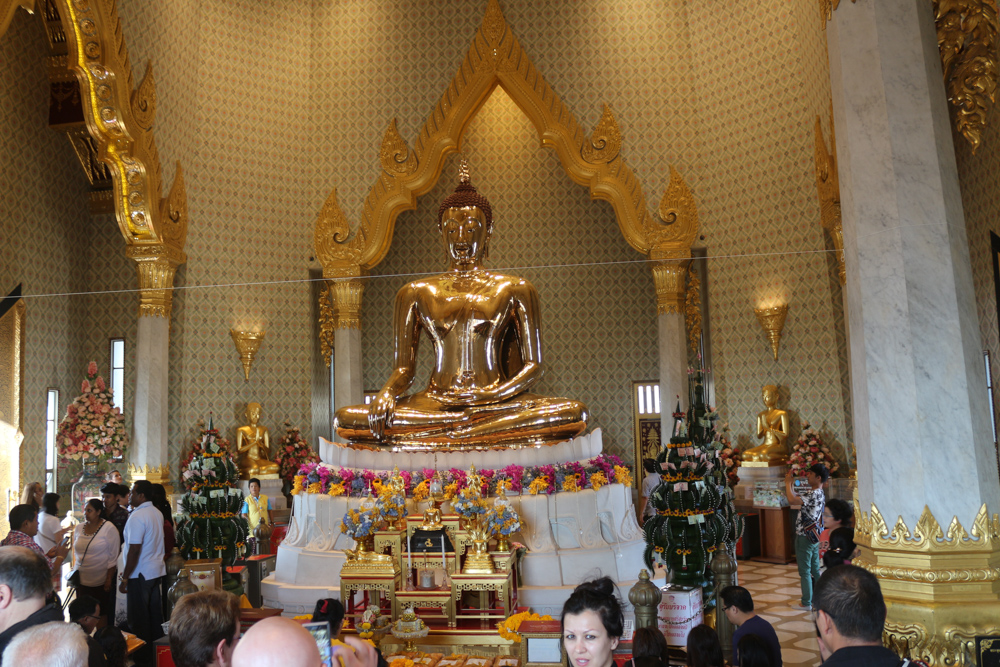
754,652
649,648
703,647
115,647
96,545
50,530
837,514
841,548
331,611
592,624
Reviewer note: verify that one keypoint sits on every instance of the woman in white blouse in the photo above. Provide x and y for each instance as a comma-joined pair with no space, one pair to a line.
96,545
50,530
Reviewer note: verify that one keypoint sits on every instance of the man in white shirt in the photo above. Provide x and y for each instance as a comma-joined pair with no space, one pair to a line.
144,567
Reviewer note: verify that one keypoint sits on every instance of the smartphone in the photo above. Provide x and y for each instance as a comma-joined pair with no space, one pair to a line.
321,633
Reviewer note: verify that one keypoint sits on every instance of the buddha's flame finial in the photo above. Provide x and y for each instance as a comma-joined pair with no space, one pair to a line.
463,171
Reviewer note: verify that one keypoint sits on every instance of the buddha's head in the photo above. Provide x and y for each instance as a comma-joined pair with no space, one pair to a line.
769,393
465,220
253,413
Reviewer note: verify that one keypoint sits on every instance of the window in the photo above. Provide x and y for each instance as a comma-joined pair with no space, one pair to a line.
646,417
118,372
51,423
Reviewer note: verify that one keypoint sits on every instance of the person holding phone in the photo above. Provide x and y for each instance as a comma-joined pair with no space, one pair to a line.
808,526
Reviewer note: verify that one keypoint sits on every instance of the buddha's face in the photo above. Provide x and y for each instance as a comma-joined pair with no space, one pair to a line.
770,396
253,413
465,234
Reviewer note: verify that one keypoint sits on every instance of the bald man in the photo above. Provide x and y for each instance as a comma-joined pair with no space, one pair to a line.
280,642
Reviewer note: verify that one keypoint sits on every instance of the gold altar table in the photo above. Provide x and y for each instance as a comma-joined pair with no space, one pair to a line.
422,600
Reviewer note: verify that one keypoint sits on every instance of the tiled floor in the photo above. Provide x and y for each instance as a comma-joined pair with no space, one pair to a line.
775,588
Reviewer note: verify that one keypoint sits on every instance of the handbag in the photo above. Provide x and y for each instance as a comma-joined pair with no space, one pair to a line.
74,577
811,532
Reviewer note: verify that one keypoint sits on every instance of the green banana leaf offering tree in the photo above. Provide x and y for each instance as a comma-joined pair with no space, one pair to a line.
695,513
211,525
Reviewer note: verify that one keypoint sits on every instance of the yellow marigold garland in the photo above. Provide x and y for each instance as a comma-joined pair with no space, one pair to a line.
422,491
297,484
623,475
570,484
508,627
336,490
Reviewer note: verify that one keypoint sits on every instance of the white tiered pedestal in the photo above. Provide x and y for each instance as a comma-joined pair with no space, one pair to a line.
571,537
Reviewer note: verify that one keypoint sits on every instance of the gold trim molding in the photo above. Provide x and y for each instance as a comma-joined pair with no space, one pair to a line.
967,40
671,292
827,8
828,186
692,311
495,58
942,586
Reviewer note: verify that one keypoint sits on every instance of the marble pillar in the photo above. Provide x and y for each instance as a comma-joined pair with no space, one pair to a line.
673,369
921,416
149,440
348,387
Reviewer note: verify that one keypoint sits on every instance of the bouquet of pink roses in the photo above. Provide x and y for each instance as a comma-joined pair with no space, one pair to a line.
93,427
808,450
292,452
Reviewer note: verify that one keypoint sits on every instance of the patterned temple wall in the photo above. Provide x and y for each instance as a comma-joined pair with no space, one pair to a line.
759,91
280,102
44,224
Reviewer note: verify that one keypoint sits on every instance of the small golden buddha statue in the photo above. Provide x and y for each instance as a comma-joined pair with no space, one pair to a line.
253,445
484,328
772,425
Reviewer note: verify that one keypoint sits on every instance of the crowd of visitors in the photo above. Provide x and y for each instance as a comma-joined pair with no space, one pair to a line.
205,629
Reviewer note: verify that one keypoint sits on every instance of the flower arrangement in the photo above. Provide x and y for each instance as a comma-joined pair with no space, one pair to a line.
93,427
422,491
808,450
209,463
605,469
361,523
292,451
391,500
470,503
373,623
508,628
502,519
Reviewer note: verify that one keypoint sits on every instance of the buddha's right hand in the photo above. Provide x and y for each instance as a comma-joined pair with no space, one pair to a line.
380,413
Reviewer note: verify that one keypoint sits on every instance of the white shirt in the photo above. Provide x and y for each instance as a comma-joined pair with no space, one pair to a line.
99,553
48,526
145,527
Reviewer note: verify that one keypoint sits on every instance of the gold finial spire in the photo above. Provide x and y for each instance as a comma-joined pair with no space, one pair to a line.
463,171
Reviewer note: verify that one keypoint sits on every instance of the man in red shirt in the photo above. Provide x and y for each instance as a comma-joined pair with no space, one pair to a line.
23,527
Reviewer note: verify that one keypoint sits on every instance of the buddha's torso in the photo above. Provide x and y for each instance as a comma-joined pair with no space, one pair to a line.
254,436
465,316
772,420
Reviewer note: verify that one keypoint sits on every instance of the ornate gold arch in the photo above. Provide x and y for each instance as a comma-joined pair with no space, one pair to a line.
119,117
496,58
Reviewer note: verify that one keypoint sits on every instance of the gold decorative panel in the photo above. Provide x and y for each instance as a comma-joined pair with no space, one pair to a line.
11,405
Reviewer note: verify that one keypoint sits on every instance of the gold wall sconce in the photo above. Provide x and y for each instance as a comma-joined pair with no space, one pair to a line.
247,344
772,320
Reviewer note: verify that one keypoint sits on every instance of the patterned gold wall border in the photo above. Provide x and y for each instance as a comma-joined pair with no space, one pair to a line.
119,117
942,587
497,58
828,186
967,39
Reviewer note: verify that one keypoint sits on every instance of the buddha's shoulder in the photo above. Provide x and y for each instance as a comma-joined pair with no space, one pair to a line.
433,283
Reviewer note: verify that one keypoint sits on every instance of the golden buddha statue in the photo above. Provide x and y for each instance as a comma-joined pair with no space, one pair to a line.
772,425
253,444
484,327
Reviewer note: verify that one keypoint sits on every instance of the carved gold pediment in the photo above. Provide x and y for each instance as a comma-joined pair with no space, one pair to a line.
119,117
496,58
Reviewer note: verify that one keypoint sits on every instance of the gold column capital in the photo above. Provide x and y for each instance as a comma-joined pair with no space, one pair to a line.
671,290
153,474
940,586
339,308
156,264
346,296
